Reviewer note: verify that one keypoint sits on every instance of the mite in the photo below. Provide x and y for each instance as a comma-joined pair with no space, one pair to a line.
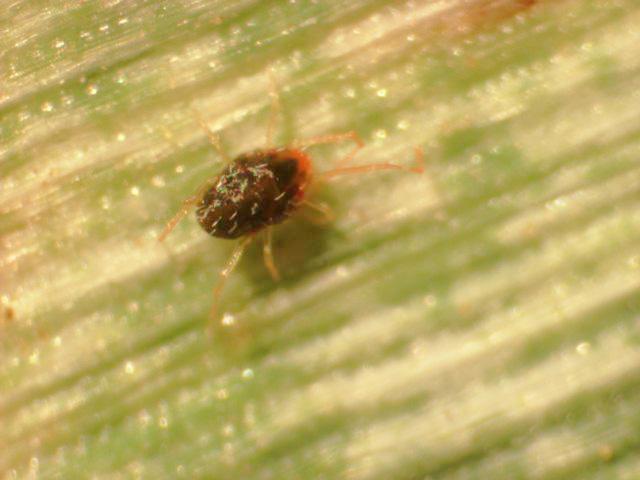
262,188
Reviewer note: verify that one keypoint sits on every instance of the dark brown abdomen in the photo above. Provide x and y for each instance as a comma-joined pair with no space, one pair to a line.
256,190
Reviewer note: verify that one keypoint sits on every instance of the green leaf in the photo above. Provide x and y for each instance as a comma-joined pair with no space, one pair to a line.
479,321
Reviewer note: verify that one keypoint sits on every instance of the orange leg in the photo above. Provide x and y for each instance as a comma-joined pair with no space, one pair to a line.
322,208
235,257
214,139
267,251
334,138
419,168
187,205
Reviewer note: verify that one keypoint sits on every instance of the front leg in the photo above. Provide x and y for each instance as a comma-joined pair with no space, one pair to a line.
187,205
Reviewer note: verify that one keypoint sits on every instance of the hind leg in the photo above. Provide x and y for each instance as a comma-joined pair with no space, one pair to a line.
418,168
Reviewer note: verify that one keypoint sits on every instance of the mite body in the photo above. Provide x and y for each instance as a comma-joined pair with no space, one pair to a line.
262,188
254,191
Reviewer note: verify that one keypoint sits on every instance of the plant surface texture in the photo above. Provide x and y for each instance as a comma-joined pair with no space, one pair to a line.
479,321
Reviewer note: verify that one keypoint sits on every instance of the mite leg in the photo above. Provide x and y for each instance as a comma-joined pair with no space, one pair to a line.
268,255
322,208
275,109
214,139
187,205
235,257
418,168
335,138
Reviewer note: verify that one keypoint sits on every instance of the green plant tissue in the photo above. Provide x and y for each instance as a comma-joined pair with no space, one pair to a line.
478,321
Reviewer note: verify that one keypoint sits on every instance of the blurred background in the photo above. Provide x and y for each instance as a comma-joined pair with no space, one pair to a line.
481,321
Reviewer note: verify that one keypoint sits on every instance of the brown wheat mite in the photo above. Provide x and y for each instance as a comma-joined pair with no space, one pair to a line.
262,188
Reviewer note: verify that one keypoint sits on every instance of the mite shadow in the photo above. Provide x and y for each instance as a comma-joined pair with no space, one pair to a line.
298,246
